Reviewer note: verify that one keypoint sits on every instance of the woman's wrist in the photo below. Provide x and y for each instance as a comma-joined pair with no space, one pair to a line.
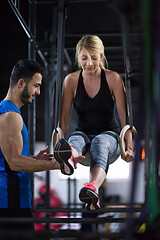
129,147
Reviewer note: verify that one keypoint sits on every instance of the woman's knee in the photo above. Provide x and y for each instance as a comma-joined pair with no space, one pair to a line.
78,141
100,142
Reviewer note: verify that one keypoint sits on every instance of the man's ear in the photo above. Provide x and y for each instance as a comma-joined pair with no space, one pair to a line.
21,83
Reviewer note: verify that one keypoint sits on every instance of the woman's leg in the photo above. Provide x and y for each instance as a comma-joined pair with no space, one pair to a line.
97,176
104,149
79,142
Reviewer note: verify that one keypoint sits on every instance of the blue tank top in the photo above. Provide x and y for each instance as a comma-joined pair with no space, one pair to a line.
15,189
95,115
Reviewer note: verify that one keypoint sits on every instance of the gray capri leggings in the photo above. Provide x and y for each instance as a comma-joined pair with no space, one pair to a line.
100,150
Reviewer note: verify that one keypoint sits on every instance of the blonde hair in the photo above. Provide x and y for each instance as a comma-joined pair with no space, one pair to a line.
95,44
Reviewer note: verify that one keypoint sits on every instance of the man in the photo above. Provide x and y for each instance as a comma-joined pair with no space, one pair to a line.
15,162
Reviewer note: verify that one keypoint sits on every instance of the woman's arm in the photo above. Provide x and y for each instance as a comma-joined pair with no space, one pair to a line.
67,98
118,92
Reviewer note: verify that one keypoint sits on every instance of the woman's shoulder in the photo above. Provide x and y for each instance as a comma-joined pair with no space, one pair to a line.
113,78
111,74
71,80
73,75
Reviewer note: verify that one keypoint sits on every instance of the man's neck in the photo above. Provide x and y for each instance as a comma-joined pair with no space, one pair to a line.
14,97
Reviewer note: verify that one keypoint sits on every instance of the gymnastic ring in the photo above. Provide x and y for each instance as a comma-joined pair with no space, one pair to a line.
57,134
121,139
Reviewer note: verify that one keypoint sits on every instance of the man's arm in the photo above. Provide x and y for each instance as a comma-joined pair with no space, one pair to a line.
11,143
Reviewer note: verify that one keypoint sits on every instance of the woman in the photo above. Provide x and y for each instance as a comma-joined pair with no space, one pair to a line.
93,90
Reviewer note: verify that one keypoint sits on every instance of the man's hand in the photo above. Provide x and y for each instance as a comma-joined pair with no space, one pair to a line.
43,155
77,160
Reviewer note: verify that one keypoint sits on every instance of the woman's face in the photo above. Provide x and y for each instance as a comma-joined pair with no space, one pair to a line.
89,61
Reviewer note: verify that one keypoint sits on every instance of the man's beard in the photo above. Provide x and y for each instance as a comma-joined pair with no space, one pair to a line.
25,96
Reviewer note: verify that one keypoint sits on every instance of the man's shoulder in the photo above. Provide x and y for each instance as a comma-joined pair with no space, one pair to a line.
9,119
7,106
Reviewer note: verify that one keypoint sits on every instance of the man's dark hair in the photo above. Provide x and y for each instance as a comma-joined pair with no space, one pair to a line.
25,69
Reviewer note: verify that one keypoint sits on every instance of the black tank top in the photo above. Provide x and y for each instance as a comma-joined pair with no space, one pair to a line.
95,115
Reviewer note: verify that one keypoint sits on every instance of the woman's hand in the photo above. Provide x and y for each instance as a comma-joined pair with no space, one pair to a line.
129,155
